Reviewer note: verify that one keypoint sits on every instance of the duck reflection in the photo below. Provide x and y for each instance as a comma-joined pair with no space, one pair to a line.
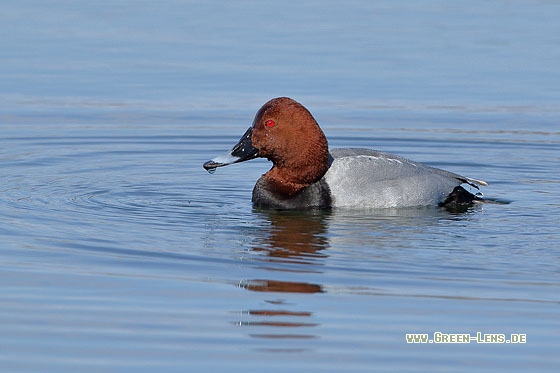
293,242
296,242
281,286
295,237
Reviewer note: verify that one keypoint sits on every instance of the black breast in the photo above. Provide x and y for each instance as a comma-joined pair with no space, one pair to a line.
315,196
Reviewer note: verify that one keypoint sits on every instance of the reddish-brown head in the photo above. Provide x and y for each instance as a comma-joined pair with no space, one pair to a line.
286,133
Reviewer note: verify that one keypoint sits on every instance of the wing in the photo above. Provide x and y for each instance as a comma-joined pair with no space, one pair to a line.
369,178
394,166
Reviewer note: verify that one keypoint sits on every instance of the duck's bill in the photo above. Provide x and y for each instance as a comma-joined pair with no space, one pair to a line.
242,151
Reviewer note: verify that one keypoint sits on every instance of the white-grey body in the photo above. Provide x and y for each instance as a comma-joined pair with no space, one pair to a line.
364,178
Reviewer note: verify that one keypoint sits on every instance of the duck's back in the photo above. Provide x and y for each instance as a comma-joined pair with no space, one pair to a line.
373,179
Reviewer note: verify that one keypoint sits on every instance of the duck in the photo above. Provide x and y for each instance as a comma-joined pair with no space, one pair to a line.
306,174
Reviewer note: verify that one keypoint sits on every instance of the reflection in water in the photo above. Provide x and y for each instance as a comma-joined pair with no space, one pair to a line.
295,242
296,238
281,286
277,313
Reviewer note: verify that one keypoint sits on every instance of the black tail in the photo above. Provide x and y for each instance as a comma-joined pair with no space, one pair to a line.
459,200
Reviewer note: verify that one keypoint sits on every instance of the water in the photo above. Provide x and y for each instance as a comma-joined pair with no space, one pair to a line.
118,251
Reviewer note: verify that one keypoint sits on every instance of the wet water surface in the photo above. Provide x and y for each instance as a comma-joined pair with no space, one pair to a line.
118,251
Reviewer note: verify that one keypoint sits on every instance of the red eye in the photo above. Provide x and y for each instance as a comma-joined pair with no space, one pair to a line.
269,123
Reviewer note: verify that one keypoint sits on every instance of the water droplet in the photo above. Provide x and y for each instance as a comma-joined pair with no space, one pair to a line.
210,166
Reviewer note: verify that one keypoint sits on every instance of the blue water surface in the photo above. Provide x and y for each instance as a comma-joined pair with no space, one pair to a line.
118,252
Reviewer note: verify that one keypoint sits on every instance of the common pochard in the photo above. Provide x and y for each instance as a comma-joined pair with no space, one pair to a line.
306,175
